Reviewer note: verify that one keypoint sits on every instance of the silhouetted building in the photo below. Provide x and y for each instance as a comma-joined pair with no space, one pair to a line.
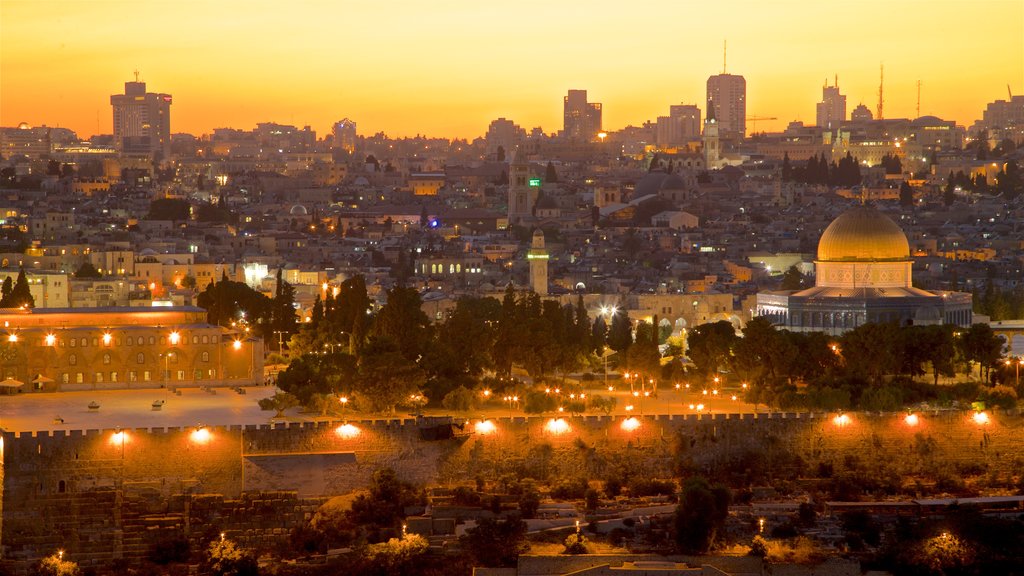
345,135
729,93
142,122
832,108
582,118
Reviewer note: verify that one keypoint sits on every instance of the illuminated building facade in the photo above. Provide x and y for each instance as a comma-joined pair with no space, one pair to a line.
729,94
112,348
582,119
831,111
142,122
863,275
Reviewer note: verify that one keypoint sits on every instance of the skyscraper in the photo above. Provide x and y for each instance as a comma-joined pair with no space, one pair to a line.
680,126
832,108
582,119
729,94
345,135
142,121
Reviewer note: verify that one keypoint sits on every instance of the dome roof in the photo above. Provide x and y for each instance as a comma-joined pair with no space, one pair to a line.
863,234
673,182
298,210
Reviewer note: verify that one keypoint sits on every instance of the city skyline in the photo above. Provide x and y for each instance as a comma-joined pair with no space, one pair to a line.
448,73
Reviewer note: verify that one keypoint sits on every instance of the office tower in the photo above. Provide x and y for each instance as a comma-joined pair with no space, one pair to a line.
504,134
861,114
680,126
832,108
729,93
345,135
142,121
582,118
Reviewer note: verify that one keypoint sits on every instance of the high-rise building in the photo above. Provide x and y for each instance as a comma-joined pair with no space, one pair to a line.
142,122
832,108
729,93
504,134
680,126
582,119
345,135
861,114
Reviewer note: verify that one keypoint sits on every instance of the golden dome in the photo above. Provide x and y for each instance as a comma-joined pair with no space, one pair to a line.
863,234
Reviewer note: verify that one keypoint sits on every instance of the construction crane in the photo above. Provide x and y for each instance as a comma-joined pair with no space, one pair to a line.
755,119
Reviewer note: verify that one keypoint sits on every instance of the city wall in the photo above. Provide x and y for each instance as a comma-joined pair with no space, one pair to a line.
108,494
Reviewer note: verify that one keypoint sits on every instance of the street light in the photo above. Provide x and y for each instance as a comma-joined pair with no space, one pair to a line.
1016,366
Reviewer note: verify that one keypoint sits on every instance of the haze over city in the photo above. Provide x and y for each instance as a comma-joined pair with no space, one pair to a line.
445,69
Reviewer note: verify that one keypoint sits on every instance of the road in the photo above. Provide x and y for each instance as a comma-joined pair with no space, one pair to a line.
134,408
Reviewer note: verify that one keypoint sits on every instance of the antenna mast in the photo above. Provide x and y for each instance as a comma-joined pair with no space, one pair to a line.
918,98
725,48
881,86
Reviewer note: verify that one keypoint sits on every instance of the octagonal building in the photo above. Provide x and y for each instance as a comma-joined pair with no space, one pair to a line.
862,275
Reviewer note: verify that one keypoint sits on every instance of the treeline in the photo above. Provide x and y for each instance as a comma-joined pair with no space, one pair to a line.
398,357
1000,304
818,170
850,371
235,304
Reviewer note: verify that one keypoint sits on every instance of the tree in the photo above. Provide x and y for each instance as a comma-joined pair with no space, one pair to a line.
56,565
701,513
168,209
385,376
604,404
495,543
19,295
709,345
225,558
403,321
787,168
980,344
620,336
87,270
792,279
550,175
874,350
906,195
643,356
283,309
279,402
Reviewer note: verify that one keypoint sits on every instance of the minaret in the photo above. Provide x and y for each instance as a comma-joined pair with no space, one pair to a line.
711,145
538,258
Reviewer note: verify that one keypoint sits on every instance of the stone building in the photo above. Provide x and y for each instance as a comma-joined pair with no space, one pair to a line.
121,347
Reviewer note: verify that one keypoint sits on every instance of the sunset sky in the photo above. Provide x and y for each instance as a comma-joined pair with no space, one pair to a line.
448,67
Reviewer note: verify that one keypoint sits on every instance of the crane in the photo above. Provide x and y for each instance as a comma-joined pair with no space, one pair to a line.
755,119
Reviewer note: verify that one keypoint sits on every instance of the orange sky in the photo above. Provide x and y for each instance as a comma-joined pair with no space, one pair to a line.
448,67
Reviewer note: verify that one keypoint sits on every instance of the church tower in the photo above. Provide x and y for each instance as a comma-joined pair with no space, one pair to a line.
522,196
711,145
538,258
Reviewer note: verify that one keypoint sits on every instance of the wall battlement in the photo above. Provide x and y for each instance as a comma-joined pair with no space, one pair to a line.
61,484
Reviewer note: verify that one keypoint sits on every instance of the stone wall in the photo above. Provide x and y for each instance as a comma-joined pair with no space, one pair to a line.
101,496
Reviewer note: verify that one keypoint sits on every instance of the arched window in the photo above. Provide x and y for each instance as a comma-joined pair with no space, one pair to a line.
72,360
62,487
106,358
206,356
140,358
